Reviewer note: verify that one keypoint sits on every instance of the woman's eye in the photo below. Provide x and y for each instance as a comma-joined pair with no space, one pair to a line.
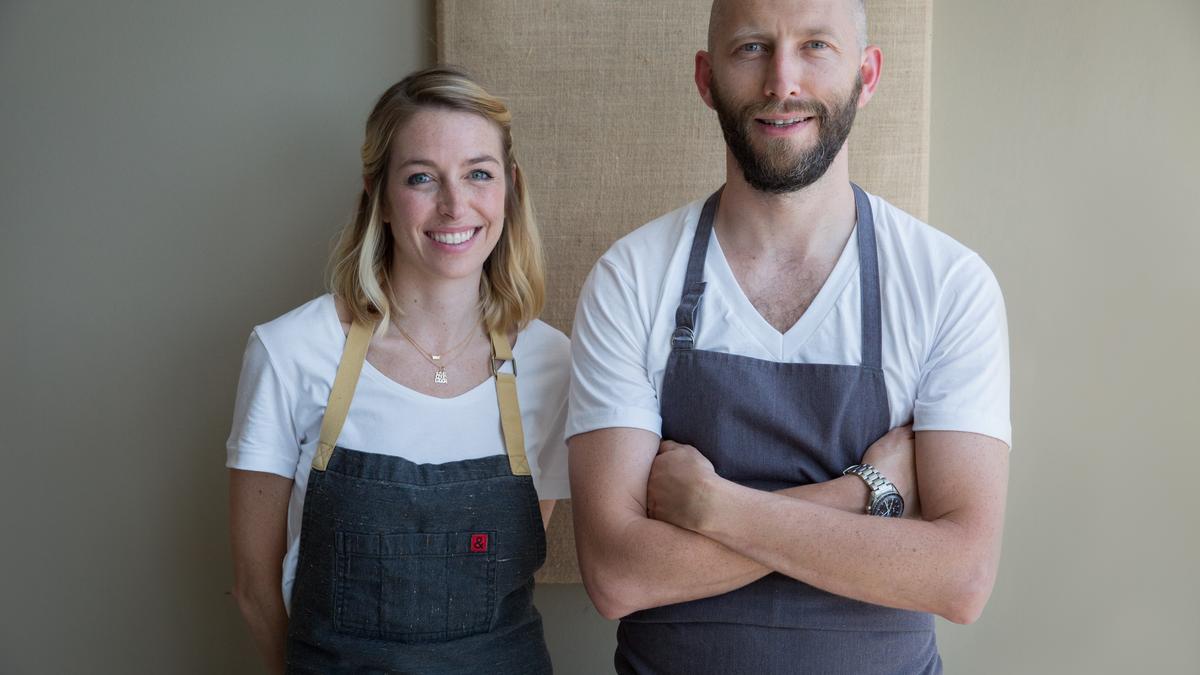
480,174
420,179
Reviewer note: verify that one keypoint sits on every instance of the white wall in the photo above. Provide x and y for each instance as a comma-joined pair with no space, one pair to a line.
172,173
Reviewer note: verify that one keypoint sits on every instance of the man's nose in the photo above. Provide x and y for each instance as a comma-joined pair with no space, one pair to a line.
783,76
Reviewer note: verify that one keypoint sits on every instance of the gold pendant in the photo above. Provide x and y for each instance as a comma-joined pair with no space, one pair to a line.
440,376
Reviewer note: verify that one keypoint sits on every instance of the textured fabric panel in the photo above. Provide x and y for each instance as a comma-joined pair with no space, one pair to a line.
889,147
611,133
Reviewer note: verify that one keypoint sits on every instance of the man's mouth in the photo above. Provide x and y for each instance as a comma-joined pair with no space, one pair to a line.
781,123
454,238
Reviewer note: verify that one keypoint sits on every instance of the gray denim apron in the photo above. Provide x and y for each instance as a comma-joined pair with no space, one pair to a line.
417,568
769,426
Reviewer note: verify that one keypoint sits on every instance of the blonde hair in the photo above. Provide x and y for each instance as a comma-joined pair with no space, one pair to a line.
512,286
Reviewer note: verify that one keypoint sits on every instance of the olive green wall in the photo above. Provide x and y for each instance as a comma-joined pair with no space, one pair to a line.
172,173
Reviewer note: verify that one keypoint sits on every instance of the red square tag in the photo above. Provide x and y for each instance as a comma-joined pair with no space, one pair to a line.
479,543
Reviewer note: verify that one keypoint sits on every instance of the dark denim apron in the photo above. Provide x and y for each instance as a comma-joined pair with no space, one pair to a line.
769,426
417,568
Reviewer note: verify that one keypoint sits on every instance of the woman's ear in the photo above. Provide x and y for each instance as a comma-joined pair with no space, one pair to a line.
513,175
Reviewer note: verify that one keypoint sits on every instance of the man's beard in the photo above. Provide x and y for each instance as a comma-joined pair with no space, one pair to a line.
777,169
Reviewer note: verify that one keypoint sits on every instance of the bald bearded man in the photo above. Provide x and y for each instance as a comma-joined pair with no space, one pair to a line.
740,502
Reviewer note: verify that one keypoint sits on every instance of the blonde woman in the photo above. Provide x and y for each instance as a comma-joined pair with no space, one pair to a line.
386,463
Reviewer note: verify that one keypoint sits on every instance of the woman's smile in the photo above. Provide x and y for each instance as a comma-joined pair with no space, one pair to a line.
454,239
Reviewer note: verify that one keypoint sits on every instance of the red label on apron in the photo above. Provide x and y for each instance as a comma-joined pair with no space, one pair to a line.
479,543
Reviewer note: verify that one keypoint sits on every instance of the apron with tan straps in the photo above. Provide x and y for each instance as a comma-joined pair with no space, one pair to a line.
417,568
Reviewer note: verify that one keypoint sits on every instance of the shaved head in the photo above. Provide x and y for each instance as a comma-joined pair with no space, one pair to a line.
721,10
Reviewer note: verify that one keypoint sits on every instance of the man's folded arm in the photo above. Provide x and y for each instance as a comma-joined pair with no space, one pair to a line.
631,562
945,564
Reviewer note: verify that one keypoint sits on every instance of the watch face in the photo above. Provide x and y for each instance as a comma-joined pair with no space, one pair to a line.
889,506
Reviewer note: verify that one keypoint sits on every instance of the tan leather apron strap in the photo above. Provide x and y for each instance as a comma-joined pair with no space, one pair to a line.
344,383
510,408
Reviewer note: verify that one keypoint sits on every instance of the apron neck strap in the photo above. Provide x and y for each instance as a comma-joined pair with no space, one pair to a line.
868,266
510,409
346,379
684,336
868,271
344,383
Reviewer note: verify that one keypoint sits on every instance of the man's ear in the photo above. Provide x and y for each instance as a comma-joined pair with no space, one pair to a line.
703,76
869,71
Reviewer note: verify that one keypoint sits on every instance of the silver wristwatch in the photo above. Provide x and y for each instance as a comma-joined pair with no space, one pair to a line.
885,499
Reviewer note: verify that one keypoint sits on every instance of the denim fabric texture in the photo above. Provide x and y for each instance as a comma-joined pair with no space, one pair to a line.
408,568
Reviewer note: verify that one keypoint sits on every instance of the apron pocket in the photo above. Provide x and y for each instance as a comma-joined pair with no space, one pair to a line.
414,586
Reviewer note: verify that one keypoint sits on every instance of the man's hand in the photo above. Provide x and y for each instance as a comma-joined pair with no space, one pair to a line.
682,483
944,562
678,489
894,456
629,561
632,552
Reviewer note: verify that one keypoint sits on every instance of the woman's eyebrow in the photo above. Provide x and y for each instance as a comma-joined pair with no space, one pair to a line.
481,159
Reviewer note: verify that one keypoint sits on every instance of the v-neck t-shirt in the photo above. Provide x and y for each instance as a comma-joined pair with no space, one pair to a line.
945,335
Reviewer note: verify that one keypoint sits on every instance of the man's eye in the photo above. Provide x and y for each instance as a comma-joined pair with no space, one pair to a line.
480,174
753,47
817,44
420,179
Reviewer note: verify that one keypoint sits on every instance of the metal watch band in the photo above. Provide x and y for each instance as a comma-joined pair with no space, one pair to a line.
885,499
870,474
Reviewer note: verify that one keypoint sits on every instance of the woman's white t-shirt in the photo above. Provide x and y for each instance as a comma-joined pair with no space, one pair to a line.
287,374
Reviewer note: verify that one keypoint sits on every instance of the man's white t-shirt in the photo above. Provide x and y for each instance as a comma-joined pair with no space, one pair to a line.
945,337
287,374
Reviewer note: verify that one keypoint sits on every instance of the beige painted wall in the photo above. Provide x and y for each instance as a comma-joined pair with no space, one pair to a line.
171,173
1065,150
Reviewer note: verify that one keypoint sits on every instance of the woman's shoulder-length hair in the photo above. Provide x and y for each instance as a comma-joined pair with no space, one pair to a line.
512,286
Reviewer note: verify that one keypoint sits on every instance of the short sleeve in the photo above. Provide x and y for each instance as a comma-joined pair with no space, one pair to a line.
610,383
263,436
964,384
552,479
549,468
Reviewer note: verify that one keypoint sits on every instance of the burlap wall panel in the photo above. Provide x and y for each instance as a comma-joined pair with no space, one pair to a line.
611,133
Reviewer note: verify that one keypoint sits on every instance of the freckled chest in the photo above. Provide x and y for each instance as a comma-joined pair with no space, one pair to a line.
782,287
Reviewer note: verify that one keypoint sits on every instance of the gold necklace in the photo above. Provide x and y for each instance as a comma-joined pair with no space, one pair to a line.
439,361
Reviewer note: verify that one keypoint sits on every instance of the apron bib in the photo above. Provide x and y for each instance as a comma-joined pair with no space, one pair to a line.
417,568
769,426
